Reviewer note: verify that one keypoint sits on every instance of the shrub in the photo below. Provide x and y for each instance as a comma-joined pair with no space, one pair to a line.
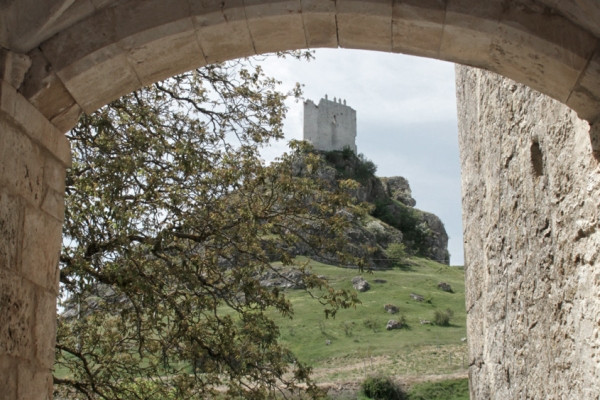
402,319
370,323
347,153
396,252
365,167
347,327
442,318
382,388
322,326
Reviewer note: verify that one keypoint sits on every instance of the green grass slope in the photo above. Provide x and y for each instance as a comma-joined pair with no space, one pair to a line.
416,349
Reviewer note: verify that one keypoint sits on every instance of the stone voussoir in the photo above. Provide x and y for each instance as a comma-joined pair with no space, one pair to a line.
365,24
34,123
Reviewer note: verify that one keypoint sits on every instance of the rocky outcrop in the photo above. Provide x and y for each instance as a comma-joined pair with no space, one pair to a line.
393,324
395,219
360,284
398,189
445,287
391,309
283,278
530,189
423,233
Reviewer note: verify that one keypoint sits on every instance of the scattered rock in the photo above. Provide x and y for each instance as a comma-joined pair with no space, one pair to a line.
327,342
417,297
360,284
390,308
393,324
424,322
379,280
445,287
283,278
463,339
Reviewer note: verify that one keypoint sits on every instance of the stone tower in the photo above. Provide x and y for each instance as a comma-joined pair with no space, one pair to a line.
331,125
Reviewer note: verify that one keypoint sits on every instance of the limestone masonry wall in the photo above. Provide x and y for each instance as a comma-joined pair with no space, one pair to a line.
531,192
33,158
330,126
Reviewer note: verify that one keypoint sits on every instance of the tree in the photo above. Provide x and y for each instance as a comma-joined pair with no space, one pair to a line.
397,252
171,216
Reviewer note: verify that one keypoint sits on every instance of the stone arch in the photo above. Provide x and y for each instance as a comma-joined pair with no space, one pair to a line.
93,51
59,58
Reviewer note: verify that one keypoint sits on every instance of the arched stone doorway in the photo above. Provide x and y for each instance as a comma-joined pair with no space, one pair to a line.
64,57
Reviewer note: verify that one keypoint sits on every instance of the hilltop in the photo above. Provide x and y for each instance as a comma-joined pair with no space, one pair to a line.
393,217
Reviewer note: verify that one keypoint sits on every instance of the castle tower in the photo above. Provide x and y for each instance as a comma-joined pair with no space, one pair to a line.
331,125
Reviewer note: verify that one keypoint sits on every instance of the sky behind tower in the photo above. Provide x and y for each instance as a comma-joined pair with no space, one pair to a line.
406,120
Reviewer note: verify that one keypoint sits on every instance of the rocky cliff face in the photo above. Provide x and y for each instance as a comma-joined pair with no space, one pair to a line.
531,192
396,218
397,188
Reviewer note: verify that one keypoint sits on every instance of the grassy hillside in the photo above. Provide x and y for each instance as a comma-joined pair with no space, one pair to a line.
359,342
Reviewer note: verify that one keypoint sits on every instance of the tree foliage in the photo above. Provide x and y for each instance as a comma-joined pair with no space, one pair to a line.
171,218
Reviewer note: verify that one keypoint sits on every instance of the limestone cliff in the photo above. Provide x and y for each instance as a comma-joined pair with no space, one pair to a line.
394,217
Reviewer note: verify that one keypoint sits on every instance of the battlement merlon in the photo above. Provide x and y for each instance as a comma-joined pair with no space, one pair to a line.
331,125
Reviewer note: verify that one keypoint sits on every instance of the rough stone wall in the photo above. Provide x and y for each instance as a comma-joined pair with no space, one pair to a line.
330,126
531,192
33,158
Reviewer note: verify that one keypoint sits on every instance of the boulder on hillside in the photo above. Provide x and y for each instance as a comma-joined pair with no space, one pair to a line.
417,297
393,324
445,287
360,284
283,278
390,308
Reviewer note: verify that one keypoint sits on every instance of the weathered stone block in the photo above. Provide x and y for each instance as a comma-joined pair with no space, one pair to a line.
41,249
43,89
167,56
66,120
529,48
45,328
116,69
81,41
17,315
8,377
34,383
31,123
136,18
222,29
8,98
21,164
54,204
270,22
11,231
365,24
225,41
27,21
13,67
55,175
586,94
103,3
418,27
320,26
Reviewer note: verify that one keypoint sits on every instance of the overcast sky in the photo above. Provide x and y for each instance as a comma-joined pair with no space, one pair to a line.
406,117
